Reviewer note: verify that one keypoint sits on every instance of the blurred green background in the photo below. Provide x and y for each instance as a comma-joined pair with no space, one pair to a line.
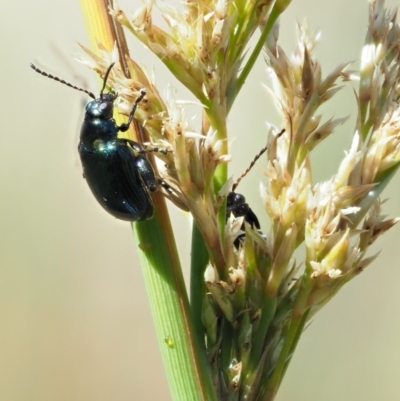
75,322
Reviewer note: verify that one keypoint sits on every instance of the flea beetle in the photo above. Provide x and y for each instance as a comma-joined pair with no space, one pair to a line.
237,205
116,170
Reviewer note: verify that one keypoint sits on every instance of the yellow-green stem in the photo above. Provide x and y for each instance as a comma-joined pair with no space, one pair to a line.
291,336
185,363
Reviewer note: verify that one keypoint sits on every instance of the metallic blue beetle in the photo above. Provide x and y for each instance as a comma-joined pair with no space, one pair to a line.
116,170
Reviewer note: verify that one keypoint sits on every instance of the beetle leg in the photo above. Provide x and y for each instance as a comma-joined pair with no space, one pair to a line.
125,126
136,146
140,149
165,185
157,150
146,173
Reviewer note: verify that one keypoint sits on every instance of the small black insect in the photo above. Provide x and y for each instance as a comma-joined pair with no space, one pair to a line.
116,170
237,205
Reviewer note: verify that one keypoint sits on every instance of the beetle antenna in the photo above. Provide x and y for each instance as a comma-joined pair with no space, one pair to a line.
61,81
105,79
253,162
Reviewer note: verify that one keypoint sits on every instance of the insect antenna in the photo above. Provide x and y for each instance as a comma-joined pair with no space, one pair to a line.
253,162
61,81
105,79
